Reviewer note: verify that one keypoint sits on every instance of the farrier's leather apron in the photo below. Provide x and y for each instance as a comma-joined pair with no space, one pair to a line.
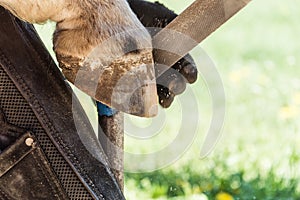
47,159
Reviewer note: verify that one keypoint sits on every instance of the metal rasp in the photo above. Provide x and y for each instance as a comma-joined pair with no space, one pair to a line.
173,42
191,27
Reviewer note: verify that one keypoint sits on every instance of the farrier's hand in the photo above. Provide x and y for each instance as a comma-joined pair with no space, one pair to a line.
173,81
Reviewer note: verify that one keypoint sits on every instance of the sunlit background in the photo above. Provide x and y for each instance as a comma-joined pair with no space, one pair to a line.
257,54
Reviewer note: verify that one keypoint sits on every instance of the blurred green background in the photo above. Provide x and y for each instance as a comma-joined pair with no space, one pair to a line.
257,55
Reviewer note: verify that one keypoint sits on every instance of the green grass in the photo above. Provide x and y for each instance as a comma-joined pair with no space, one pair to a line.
189,183
257,54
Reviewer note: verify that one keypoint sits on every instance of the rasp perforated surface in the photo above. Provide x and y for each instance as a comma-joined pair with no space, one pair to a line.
191,27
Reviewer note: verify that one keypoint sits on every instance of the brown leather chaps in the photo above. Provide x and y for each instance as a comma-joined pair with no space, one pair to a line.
44,131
